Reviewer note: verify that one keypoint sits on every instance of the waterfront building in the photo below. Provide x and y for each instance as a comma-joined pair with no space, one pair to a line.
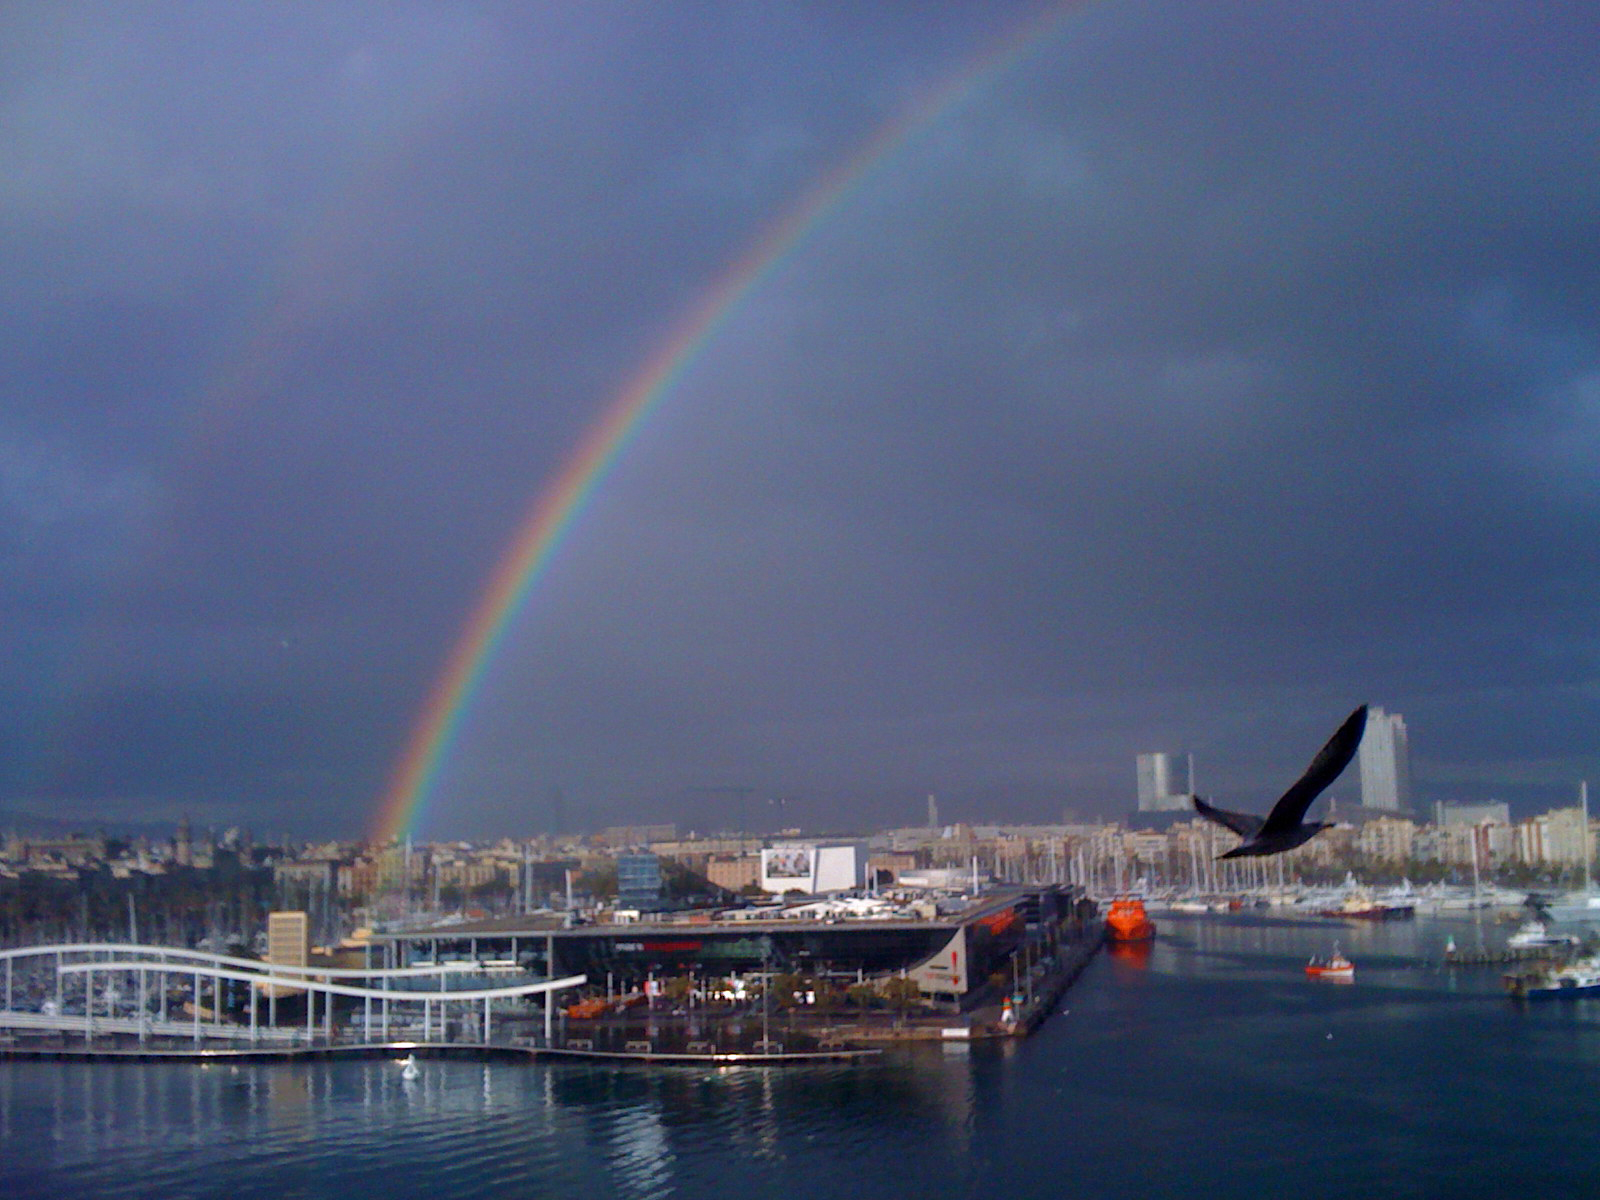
1387,839
183,844
295,875
1555,838
693,851
913,838
733,872
1166,782
950,956
468,874
1494,842
288,938
1385,762
1488,842
1331,846
885,867
400,868
288,945
618,837
1453,812
75,850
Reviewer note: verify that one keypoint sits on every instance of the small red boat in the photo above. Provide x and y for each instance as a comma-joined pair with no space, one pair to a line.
1336,966
1126,922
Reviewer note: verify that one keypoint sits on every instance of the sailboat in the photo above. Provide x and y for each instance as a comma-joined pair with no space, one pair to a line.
1581,907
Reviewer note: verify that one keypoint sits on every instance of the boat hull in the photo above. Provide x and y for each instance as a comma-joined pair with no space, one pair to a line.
1376,912
1126,922
1565,990
1570,982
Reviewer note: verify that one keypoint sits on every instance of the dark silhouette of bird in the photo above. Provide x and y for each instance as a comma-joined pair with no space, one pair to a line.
1285,827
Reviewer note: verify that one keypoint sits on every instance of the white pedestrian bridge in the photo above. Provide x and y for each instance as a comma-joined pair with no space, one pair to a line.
117,988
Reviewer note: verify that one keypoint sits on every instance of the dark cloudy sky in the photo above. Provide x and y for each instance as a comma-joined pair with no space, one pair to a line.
1202,372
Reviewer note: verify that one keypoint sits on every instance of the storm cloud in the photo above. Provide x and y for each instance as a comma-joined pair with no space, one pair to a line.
1191,375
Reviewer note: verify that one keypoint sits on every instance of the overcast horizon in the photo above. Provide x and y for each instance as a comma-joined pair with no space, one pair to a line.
1174,378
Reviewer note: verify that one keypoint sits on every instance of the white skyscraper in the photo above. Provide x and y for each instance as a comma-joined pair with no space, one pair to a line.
1165,782
1385,763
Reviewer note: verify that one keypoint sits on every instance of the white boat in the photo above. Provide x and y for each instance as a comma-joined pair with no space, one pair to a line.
1446,898
1536,935
1575,908
1583,906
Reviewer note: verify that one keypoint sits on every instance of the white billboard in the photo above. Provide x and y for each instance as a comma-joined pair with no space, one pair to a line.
812,868
789,869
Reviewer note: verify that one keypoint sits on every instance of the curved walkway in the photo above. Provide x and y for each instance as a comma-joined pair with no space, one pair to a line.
267,980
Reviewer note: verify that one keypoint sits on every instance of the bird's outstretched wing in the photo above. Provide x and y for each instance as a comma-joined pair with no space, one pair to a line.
1290,810
1246,825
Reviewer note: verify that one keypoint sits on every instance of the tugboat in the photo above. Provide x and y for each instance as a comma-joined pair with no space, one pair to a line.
1126,922
1336,966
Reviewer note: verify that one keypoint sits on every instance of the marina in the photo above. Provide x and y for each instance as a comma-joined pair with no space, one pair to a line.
100,1002
999,963
1213,1014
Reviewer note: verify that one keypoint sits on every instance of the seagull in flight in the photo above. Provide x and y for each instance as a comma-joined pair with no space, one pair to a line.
1285,827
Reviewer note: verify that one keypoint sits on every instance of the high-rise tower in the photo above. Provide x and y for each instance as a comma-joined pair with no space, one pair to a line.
1385,762
1166,782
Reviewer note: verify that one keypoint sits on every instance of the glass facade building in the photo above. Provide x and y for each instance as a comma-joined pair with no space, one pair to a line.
638,880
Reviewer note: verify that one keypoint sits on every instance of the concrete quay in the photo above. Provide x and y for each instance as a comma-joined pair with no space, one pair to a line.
208,1055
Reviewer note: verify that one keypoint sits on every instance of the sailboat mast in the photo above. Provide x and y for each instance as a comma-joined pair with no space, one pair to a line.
1583,801
1476,878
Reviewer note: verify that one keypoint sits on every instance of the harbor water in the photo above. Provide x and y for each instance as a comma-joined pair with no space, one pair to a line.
1209,1066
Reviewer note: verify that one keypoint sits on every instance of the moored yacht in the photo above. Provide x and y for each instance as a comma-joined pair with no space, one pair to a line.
1536,935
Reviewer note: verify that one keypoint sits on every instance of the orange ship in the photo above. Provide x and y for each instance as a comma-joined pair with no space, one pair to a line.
1126,922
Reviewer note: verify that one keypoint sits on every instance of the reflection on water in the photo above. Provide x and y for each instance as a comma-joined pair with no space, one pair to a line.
1134,954
1207,1064
463,1128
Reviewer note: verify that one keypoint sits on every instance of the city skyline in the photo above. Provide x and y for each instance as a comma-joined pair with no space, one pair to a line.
1163,782
458,417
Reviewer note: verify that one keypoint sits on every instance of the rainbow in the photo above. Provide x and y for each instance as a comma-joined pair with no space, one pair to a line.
557,507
